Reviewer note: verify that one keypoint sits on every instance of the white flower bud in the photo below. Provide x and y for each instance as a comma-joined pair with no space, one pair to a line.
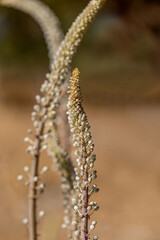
92,227
29,149
44,147
73,200
42,185
44,169
35,179
26,168
63,226
77,178
75,207
94,223
95,238
29,131
26,139
25,221
74,223
77,233
20,178
41,213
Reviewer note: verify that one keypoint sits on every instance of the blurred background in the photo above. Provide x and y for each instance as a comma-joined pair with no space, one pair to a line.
119,60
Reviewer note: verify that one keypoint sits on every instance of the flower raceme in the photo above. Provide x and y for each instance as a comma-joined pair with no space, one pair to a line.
82,141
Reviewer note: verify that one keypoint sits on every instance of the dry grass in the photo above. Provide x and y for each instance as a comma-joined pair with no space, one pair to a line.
127,146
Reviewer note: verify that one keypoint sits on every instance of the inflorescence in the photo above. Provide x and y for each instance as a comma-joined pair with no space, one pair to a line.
82,141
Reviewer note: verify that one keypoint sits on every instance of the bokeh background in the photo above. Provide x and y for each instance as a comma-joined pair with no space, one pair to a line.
119,60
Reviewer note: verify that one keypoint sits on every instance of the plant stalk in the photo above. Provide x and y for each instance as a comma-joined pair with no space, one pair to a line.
84,219
33,191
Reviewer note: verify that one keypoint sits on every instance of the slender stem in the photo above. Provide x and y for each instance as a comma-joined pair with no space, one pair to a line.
65,133
84,220
33,192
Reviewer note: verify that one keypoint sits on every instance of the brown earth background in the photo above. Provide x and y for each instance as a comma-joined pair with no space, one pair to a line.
119,62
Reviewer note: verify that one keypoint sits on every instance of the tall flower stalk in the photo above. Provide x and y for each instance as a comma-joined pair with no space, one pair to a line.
82,141
44,115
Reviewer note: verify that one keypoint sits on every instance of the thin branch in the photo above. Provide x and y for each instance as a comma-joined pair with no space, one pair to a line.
33,185
84,219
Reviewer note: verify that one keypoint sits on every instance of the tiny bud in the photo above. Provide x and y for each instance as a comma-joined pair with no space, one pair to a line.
96,190
73,200
75,207
26,168
96,208
92,227
74,223
88,208
42,185
29,131
44,147
44,169
41,213
77,178
77,233
26,139
94,223
63,226
29,149
95,238
25,221
35,179
20,178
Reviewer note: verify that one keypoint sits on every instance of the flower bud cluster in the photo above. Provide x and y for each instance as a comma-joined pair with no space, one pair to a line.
26,177
82,141
66,171
43,15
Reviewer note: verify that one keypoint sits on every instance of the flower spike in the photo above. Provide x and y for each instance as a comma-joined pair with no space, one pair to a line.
82,141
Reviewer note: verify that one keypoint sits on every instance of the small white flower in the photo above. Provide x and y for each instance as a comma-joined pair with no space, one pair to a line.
26,168
92,227
51,124
41,213
88,208
35,124
38,98
44,147
44,169
26,139
74,223
20,177
29,131
73,200
42,185
33,114
36,108
25,221
29,149
95,238
77,233
75,207
63,226
45,136
91,165
94,223
35,179
77,178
